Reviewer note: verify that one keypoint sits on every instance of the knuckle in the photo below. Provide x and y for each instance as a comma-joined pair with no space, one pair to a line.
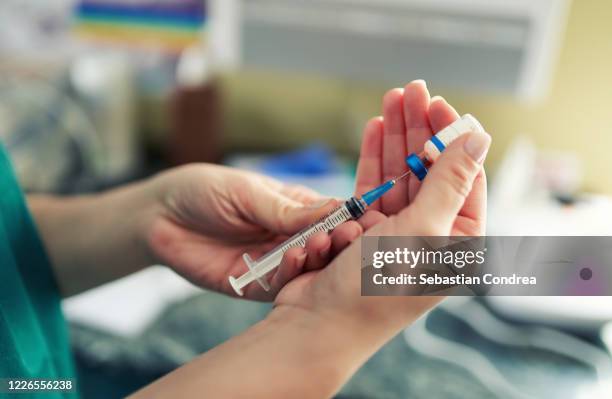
458,178
283,217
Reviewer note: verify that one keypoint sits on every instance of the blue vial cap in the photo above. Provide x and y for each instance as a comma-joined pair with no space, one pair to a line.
417,167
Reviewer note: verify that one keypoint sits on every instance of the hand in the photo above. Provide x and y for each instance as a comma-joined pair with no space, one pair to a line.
451,201
410,118
207,216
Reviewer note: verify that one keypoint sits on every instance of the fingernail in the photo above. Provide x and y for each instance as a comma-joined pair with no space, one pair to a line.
437,98
420,82
477,146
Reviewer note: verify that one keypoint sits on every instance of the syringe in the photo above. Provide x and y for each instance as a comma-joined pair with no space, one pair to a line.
354,207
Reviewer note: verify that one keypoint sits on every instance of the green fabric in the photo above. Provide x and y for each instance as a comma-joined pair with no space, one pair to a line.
33,333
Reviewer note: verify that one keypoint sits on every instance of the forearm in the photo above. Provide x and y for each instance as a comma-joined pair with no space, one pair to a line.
95,238
292,350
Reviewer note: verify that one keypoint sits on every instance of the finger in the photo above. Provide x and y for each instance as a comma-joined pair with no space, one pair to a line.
343,235
369,167
448,184
441,114
282,215
473,219
418,130
290,267
394,151
301,194
317,250
370,219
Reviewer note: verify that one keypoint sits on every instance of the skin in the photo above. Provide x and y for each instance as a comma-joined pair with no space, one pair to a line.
414,118
321,330
199,219
188,217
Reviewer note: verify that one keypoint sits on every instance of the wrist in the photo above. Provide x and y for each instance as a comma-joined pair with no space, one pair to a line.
92,239
292,350
120,219
321,349
142,208
331,345
362,322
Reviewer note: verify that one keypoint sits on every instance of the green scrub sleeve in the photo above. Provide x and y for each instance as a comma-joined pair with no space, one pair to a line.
33,332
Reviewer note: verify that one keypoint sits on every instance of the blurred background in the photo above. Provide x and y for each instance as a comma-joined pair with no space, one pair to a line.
95,93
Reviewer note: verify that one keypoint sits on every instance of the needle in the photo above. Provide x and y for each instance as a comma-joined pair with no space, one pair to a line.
403,176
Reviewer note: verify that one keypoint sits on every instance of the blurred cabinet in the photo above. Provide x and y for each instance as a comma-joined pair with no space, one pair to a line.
498,46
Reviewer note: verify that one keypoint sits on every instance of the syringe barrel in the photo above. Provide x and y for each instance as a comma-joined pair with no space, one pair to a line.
351,209
336,217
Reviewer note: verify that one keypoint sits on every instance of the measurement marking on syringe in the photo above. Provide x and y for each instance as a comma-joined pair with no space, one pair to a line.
326,224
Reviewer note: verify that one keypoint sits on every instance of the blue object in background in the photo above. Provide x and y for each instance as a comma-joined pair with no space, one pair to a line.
180,13
314,160
316,166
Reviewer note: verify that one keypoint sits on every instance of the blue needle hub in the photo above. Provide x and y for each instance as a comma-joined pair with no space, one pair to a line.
378,192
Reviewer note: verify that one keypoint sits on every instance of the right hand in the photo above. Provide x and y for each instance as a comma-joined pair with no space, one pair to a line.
451,201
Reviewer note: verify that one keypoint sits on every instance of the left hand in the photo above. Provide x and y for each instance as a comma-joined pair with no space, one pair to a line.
409,118
207,216
455,187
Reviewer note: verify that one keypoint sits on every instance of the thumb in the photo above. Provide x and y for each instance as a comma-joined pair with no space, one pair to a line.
448,184
283,215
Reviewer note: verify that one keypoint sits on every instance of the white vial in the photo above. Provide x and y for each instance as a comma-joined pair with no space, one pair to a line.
434,147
